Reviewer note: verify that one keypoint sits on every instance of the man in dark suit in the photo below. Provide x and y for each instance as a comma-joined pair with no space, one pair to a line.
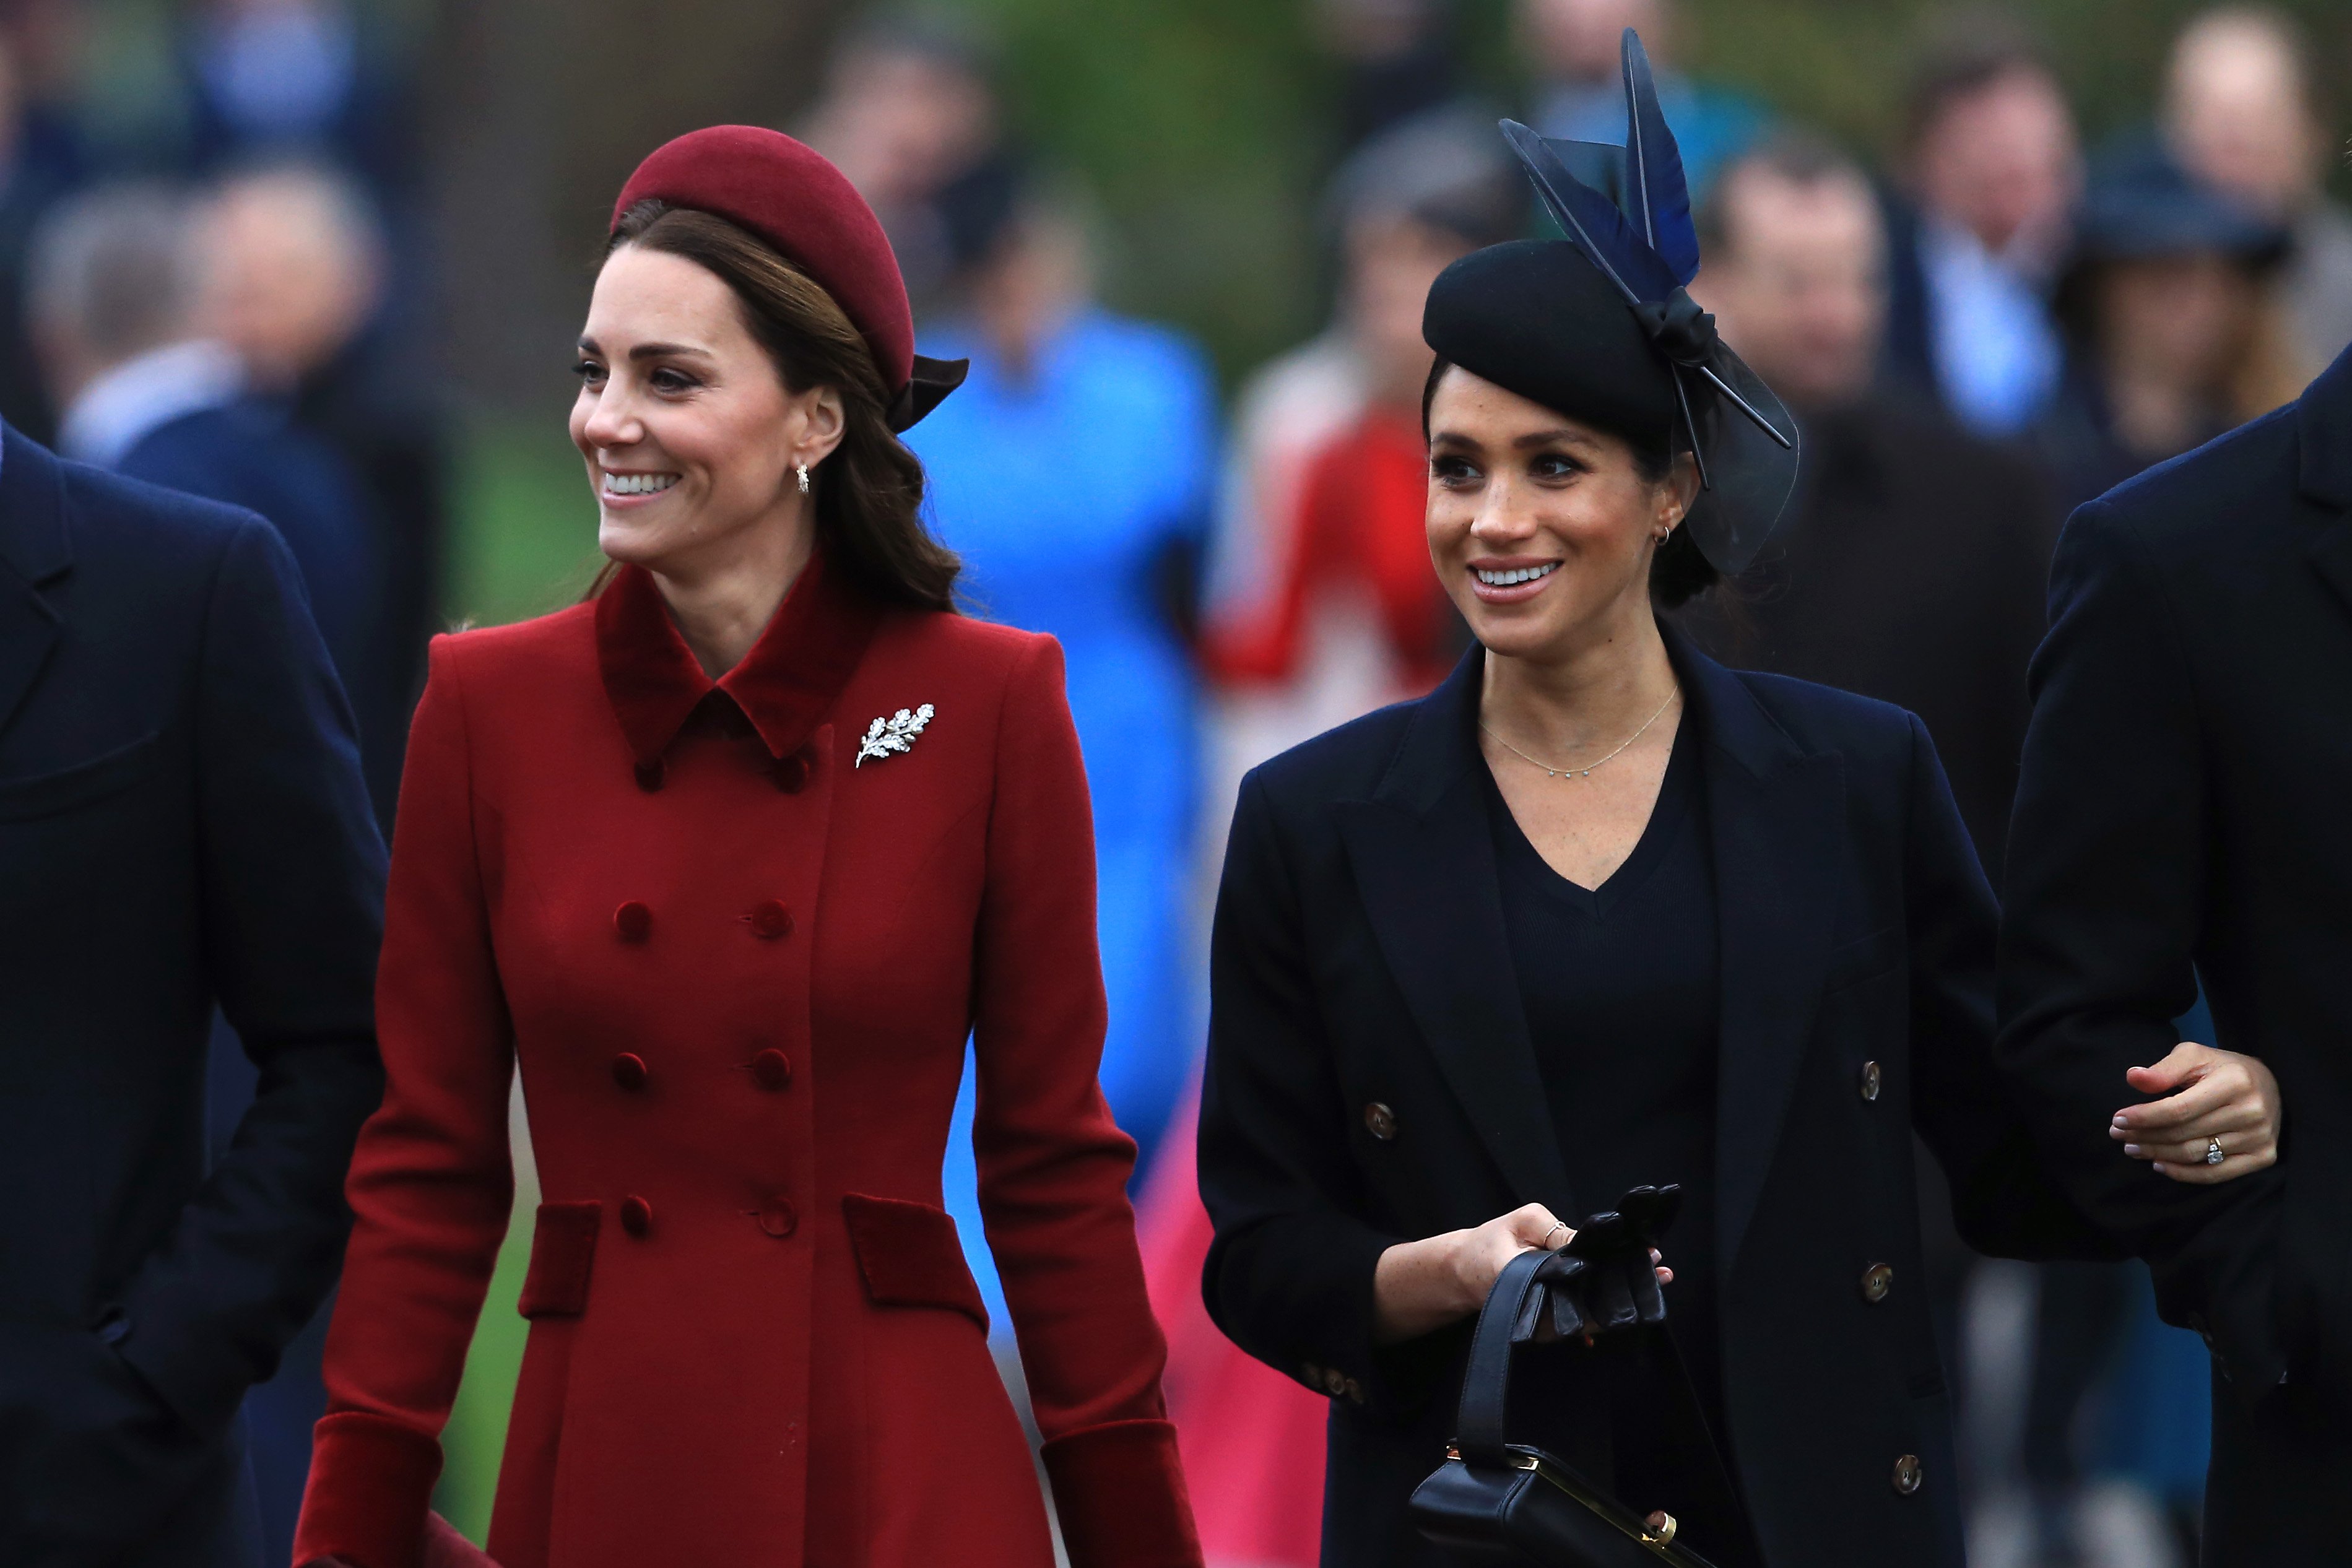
2181,814
1912,563
183,825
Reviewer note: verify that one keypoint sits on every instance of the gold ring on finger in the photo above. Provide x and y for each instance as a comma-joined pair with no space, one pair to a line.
2213,1151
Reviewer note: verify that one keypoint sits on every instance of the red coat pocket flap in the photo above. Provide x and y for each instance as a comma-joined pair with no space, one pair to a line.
563,1252
910,1256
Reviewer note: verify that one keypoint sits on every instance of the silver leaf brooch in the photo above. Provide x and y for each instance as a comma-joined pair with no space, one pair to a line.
888,736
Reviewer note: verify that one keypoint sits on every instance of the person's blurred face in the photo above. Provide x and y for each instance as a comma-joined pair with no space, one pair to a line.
903,124
689,431
1799,286
1392,262
1038,277
2178,321
2237,114
1579,40
1541,528
286,283
2002,163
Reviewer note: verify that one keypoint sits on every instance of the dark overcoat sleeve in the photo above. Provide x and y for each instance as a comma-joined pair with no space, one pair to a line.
2106,879
2003,1200
292,875
1290,1276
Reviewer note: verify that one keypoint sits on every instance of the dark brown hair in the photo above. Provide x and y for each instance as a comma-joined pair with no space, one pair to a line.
1679,571
869,492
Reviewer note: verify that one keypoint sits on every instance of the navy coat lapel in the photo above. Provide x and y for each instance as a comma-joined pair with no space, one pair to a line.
1424,856
2324,435
34,552
1775,822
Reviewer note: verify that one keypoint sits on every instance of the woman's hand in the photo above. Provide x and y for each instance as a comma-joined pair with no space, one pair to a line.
1420,1286
2209,1094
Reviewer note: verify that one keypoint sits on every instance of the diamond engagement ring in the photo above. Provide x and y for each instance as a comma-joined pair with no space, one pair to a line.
2213,1154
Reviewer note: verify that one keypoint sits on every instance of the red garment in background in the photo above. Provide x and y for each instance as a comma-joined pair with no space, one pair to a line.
1252,1439
1361,528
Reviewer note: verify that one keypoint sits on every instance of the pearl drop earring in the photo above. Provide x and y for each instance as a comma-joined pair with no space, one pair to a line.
802,468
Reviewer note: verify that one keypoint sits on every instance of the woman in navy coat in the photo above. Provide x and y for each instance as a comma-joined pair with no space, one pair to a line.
1601,913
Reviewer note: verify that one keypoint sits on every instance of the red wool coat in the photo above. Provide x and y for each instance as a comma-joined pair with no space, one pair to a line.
738,953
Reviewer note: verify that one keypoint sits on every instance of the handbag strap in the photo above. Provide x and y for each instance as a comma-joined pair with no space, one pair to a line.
1487,1384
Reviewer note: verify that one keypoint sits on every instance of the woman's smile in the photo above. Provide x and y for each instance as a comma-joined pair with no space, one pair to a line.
1510,581
622,487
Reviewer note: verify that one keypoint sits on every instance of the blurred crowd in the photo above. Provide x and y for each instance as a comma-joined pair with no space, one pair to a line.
1979,329
1986,325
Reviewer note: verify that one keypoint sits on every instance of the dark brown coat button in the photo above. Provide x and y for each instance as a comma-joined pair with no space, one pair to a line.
1380,1122
778,1218
649,775
632,921
1335,1382
773,1067
792,774
1907,1474
629,1070
636,1214
770,921
1876,1281
1870,1079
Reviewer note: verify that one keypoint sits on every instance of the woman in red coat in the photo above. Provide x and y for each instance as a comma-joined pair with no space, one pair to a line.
732,859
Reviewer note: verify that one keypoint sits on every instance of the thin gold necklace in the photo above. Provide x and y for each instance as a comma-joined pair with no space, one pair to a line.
1585,772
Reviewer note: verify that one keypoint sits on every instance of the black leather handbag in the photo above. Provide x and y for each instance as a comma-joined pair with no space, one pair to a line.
1509,1503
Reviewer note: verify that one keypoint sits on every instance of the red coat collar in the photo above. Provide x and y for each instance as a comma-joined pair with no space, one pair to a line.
785,685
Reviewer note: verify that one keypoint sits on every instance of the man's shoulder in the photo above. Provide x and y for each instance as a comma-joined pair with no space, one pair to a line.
116,519
2235,484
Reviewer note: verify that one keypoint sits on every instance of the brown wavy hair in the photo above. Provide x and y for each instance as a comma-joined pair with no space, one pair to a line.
870,493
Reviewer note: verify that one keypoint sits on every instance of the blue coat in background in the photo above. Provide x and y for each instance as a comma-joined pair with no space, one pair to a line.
1066,494
183,828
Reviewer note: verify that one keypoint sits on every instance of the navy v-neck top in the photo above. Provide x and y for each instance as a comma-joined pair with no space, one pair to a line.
1620,986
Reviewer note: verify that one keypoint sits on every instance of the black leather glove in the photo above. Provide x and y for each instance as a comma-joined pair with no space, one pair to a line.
92,1463
1603,1279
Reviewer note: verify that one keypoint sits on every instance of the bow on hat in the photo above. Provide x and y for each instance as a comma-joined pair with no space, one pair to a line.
1741,435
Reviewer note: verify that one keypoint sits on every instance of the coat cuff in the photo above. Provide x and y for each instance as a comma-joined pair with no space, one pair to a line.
1119,1490
370,1486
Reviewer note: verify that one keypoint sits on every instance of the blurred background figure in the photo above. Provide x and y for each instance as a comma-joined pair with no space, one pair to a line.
1322,605
296,269
41,158
1398,58
1912,562
277,79
2241,112
120,279
1574,46
1072,473
1991,167
2168,340
908,107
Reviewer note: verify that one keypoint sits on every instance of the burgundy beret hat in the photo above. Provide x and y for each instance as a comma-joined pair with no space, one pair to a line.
791,196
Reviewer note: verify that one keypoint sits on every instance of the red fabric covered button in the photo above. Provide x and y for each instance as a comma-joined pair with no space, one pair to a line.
778,1218
636,1214
649,775
770,921
773,1067
632,921
792,775
629,1070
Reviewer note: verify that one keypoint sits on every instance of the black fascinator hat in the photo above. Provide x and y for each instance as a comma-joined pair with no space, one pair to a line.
1599,326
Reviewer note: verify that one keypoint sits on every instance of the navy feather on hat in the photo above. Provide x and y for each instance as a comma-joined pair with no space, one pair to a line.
1600,327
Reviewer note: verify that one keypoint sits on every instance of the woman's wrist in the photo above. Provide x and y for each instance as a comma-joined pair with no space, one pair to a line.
1417,1286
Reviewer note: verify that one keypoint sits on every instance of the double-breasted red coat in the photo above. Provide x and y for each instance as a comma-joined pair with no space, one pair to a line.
737,950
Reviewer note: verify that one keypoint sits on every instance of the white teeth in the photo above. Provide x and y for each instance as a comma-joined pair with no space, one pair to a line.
1518,575
637,484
